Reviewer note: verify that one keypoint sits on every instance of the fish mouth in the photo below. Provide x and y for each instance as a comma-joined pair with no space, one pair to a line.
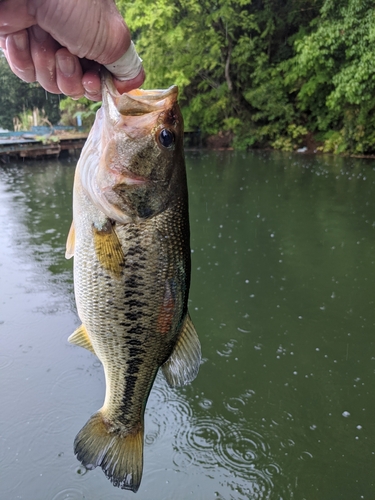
131,179
135,103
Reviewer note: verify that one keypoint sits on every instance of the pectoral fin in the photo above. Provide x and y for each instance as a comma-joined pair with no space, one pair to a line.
183,364
70,242
108,249
80,337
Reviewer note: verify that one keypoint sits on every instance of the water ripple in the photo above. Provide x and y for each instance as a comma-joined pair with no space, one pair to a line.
5,361
235,405
243,448
240,456
72,493
65,380
227,349
158,420
57,421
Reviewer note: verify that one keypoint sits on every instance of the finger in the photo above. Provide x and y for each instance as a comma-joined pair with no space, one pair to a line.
43,48
17,50
91,81
15,16
127,85
128,71
69,74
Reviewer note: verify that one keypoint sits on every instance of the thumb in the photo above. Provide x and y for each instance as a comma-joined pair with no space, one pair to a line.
128,66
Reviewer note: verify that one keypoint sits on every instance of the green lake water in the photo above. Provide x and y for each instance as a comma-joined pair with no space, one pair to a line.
283,282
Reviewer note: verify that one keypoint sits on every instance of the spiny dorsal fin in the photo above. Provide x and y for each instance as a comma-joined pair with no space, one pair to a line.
81,337
183,364
70,242
108,249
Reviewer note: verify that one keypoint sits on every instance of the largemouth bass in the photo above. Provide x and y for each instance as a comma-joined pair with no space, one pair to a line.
130,241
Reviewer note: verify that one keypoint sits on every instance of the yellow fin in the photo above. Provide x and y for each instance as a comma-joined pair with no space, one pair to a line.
120,456
70,242
183,364
108,249
80,337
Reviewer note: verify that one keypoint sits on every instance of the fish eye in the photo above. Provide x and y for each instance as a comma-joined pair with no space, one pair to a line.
166,138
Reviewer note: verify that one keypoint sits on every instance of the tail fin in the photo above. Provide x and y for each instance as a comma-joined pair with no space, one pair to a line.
120,457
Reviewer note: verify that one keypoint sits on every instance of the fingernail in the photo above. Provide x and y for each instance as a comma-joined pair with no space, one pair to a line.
21,41
91,93
39,34
65,64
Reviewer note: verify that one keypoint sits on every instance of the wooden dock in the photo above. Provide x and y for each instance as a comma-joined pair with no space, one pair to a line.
29,146
42,143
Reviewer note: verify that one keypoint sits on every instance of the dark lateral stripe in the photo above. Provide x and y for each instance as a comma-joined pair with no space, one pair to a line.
137,329
134,251
130,381
130,293
133,366
135,303
131,378
133,281
135,351
135,266
131,341
134,315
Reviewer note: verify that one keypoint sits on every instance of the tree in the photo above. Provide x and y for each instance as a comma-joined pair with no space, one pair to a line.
17,96
333,75
222,54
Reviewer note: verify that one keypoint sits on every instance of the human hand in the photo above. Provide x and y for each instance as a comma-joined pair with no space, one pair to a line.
61,44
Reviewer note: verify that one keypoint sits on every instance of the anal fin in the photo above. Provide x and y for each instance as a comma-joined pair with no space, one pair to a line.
183,364
81,338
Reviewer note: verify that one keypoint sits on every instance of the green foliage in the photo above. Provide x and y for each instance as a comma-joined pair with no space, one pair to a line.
24,120
47,139
333,75
71,108
292,140
17,96
27,118
334,142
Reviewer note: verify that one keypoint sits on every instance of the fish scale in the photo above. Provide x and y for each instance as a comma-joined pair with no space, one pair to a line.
130,241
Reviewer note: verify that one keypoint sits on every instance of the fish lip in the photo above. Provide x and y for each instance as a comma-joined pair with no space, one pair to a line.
134,180
137,94
154,94
136,102
127,177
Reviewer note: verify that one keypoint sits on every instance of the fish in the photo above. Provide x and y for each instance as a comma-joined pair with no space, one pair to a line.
130,239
